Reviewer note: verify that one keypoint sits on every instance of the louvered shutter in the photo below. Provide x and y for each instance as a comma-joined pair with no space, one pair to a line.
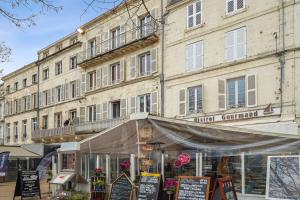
19,106
182,102
189,57
154,103
104,111
62,92
105,76
154,60
82,114
222,94
88,82
78,88
53,95
67,90
98,112
251,90
132,105
153,13
48,97
40,99
105,41
98,45
122,70
28,106
240,43
199,54
83,83
229,46
98,77
135,29
133,67
122,34
123,108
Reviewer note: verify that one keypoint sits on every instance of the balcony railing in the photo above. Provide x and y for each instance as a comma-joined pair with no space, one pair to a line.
116,46
55,132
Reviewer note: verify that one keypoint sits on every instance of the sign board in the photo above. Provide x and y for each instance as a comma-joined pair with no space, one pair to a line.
283,178
149,186
192,187
62,178
28,184
121,188
3,162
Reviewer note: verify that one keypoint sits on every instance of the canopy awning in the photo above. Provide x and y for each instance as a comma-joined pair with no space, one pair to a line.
18,152
174,134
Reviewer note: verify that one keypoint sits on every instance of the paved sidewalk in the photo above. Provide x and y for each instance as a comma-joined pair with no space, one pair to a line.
7,191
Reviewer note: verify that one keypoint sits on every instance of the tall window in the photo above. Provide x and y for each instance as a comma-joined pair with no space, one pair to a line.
58,68
73,62
59,93
16,86
144,103
24,82
115,73
235,44
92,80
233,6
24,102
144,64
194,14
7,132
73,89
115,107
34,100
194,56
73,115
195,99
46,97
46,74
16,133
146,24
24,130
34,79
34,124
115,38
45,122
16,106
92,48
58,120
8,89
236,92
92,113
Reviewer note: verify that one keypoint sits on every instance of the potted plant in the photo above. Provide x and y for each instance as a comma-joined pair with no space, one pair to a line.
125,165
98,184
170,186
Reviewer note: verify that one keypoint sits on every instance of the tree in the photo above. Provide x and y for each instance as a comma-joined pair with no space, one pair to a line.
5,52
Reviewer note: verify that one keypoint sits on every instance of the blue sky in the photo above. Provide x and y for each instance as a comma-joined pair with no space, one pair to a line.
51,26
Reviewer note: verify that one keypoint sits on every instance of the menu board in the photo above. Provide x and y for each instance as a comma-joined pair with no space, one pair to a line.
227,188
149,186
192,188
121,188
28,184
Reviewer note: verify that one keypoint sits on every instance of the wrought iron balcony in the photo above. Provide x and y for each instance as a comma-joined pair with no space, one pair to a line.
118,45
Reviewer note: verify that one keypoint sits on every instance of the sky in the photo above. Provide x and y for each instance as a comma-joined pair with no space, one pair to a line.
50,26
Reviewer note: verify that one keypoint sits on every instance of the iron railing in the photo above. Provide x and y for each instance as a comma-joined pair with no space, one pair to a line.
68,130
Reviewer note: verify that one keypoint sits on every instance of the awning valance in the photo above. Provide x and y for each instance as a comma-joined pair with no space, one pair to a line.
18,152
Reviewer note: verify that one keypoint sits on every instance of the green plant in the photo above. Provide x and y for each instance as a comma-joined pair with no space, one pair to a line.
79,196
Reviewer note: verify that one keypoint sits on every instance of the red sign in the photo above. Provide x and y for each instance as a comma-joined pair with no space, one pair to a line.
184,158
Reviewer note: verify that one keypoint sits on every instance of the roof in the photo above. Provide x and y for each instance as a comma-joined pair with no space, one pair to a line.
18,71
18,152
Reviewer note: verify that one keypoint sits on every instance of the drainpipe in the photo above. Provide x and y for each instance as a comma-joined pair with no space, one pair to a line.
162,78
38,97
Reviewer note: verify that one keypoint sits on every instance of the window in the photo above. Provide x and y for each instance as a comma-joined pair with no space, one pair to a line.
8,89
115,38
92,80
45,122
24,82
68,161
73,89
234,5
24,130
73,40
144,64
146,24
46,74
58,68
115,73
58,120
73,62
59,47
236,92
34,79
195,99
92,47
194,14
194,56
16,131
115,107
144,103
34,100
73,116
46,97
8,132
235,44
92,113
34,124
59,93
16,86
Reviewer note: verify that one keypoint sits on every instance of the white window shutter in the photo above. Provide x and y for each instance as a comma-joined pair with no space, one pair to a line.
78,88
199,55
48,97
123,108
132,105
182,102
229,45
88,86
122,34
105,41
98,46
251,90
62,92
240,43
40,99
67,88
189,57
122,70
83,83
105,76
222,94
82,115
134,29
105,111
98,112
154,53
53,96
153,13
98,77
133,67
154,103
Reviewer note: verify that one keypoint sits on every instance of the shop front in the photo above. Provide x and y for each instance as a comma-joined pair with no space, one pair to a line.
174,148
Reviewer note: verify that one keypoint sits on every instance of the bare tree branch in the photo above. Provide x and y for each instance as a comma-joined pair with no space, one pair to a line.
5,52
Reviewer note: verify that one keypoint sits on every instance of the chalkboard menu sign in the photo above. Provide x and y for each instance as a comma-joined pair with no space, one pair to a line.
28,184
149,186
121,188
192,187
224,189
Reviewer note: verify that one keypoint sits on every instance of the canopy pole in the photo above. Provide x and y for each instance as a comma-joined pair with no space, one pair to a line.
97,161
107,168
162,168
59,162
199,158
243,172
132,167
